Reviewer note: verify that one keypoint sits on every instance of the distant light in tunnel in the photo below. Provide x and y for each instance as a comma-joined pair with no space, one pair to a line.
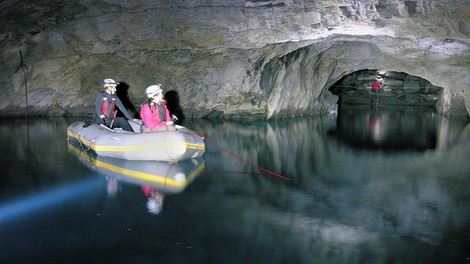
382,72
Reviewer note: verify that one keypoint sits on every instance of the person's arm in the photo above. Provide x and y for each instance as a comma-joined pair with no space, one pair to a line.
167,116
123,109
98,103
145,114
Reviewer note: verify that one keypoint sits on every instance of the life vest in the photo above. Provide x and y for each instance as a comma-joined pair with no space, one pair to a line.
108,106
156,113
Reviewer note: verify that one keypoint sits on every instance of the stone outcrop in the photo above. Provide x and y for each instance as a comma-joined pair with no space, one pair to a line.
227,58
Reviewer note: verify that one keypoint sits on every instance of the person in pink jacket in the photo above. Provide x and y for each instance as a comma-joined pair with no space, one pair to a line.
375,91
154,112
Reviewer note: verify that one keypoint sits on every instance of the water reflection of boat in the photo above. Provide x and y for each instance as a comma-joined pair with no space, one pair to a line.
171,146
163,176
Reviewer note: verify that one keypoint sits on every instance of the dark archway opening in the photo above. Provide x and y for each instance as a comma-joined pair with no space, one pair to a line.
402,120
397,88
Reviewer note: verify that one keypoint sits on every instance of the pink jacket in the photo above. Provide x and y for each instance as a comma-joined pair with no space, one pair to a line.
151,117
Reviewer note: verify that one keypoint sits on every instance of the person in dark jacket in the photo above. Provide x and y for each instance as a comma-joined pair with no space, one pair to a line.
106,105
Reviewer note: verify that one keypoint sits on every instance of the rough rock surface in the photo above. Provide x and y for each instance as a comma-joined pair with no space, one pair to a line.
226,58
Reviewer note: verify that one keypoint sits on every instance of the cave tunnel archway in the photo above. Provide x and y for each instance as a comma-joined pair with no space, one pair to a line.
311,78
397,88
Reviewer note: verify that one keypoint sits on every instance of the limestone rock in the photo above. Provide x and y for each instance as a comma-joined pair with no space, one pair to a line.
227,58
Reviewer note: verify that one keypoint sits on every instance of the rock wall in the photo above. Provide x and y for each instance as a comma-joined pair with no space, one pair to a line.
226,58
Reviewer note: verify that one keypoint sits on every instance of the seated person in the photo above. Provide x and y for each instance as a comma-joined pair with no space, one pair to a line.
154,112
106,104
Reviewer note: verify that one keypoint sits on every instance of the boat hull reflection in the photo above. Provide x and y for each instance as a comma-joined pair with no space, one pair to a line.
164,176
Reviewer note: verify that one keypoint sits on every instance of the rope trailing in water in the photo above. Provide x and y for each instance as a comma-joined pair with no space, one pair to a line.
244,160
335,194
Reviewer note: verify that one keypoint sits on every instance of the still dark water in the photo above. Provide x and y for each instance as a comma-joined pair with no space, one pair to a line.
368,186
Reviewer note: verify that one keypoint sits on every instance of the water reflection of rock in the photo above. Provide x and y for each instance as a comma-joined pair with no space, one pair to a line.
374,191
24,143
387,128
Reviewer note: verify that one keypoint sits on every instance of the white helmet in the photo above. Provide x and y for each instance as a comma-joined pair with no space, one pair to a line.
109,82
152,90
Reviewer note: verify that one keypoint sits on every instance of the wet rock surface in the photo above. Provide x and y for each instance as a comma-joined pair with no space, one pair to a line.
231,58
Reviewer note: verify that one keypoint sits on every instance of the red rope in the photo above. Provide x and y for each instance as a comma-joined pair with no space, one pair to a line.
337,195
246,161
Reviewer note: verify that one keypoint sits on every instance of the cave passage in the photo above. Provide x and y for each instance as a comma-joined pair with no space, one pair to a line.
397,88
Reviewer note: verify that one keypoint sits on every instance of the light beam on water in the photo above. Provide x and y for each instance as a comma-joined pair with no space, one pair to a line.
30,204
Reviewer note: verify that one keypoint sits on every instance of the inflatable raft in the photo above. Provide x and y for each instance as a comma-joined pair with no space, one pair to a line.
163,176
170,146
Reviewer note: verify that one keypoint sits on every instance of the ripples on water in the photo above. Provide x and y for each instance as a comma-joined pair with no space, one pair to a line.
371,185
